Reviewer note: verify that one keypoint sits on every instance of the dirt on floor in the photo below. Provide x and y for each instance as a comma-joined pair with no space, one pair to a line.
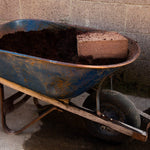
65,131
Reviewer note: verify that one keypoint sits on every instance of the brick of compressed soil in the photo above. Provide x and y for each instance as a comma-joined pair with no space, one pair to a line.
102,45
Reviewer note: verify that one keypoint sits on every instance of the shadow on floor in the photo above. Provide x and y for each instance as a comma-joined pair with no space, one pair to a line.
65,131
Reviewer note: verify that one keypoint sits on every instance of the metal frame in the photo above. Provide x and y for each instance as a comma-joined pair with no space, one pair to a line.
7,106
115,125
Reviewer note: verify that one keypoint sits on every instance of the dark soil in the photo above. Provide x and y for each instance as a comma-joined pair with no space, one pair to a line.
58,45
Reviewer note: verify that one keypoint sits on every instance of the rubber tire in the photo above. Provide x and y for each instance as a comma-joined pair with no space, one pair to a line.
122,104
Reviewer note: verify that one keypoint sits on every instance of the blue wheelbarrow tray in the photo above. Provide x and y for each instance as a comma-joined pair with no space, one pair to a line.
53,78
51,81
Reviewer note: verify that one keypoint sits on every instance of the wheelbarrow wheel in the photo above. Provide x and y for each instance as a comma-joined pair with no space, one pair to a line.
116,106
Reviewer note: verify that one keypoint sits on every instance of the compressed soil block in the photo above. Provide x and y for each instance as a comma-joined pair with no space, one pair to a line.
102,45
60,45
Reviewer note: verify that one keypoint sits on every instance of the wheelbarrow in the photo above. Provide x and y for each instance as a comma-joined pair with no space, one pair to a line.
108,114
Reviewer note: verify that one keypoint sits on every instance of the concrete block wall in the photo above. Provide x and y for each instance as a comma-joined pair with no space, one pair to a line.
129,17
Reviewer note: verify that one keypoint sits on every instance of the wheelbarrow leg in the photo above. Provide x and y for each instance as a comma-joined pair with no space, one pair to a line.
98,93
5,110
41,108
3,119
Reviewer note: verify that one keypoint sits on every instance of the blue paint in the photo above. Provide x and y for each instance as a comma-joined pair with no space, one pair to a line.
52,78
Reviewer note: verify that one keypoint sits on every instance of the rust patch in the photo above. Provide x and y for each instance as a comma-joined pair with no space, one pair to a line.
25,80
60,86
61,83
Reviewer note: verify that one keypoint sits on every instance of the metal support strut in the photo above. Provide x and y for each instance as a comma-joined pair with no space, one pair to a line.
98,93
8,106
113,124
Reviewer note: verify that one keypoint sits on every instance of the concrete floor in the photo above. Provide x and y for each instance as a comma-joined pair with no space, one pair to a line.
16,119
58,131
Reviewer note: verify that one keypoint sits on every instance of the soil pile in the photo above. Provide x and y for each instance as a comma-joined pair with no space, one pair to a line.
58,45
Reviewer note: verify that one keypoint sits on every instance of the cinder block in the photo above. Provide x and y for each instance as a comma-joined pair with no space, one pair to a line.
80,13
143,42
2,21
138,19
55,10
138,2
138,72
145,46
9,9
107,1
107,16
